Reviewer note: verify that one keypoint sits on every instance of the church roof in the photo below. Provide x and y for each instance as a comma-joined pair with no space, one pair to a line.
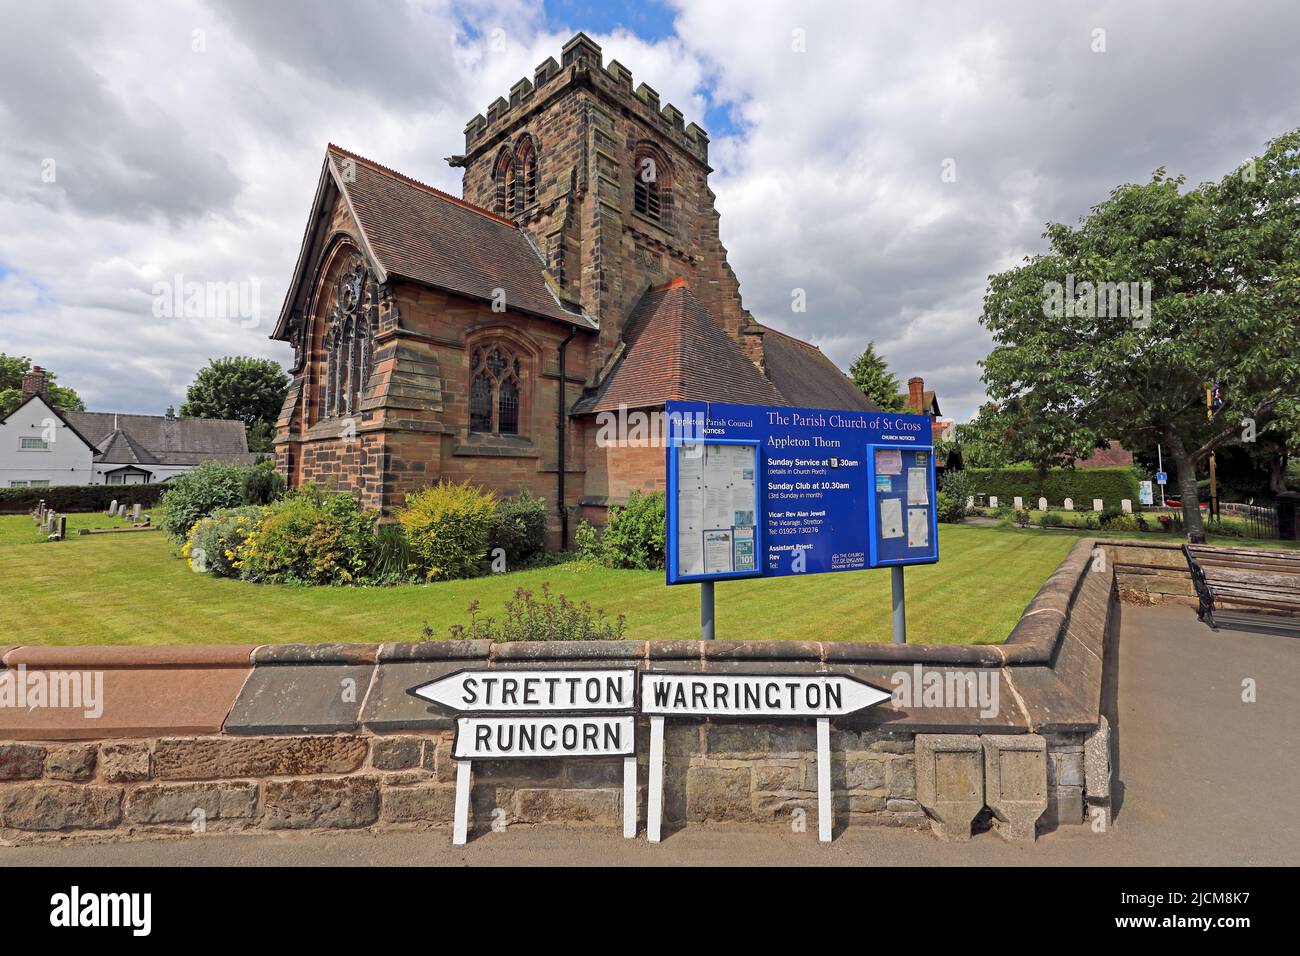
676,352
806,377
415,232
159,440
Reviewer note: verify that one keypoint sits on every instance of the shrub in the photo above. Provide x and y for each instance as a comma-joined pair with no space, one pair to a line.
218,543
390,560
959,484
636,535
949,508
1051,519
311,537
211,485
1022,518
520,529
1081,485
262,484
586,542
448,526
549,619
72,499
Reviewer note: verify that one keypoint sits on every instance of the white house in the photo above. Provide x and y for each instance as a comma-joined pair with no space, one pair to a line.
41,446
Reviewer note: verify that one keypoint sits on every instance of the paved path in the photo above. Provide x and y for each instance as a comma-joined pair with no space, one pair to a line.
1204,779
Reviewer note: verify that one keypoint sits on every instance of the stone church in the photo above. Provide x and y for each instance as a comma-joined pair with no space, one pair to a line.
489,337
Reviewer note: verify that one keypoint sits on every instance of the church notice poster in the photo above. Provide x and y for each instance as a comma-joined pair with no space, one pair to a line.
759,491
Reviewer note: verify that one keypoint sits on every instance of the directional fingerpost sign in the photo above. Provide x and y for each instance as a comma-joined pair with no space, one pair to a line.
821,696
530,714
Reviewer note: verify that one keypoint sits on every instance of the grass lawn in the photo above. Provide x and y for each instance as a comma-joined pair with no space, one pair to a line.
20,529
130,589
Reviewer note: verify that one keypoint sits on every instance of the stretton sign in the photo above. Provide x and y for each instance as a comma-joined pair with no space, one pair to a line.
539,713
822,696
529,714
767,491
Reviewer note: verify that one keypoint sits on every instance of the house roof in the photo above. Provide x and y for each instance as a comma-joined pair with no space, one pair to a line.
158,440
675,352
929,403
413,231
58,413
806,377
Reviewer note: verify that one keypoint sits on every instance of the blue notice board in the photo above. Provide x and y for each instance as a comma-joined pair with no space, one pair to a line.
765,491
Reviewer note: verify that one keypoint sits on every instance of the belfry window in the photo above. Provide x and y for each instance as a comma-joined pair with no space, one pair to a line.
495,390
515,178
652,194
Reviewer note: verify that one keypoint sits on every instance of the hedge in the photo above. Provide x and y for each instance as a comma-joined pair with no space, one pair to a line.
1111,485
69,499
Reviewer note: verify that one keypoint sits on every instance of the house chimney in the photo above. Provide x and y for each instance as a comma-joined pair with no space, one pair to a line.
916,394
34,383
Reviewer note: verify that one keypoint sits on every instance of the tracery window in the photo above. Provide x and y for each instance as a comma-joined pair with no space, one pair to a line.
495,389
515,178
349,341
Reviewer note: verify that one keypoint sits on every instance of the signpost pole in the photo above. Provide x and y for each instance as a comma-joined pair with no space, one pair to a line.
1160,466
824,779
706,610
900,605
629,796
460,822
655,798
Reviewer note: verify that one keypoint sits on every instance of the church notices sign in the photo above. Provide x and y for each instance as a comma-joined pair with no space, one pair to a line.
766,491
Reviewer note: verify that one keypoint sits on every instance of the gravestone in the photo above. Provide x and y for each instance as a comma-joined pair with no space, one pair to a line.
112,509
63,527
1126,506
1042,504
121,512
970,501
1020,503
1069,504
993,501
135,513
1096,504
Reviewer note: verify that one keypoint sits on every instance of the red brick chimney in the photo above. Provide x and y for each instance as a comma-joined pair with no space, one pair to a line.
34,383
916,395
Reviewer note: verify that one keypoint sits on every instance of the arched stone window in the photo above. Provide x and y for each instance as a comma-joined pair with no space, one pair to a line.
349,341
496,389
652,184
515,177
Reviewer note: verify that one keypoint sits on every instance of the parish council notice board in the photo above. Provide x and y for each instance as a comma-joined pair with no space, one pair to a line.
717,501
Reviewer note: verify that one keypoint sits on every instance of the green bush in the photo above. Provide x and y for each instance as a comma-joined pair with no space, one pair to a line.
262,484
210,486
949,508
1022,518
448,526
390,560
520,529
1081,485
218,543
958,484
548,619
311,537
73,499
586,542
636,534
1051,519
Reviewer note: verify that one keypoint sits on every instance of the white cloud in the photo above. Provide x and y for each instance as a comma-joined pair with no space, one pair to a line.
171,160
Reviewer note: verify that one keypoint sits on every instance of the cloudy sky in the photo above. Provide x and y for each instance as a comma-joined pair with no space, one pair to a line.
141,141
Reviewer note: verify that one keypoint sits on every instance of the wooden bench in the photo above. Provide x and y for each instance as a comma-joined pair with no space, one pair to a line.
1247,588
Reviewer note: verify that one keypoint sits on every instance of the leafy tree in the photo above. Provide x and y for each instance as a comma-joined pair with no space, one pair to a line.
12,370
870,373
1073,366
249,390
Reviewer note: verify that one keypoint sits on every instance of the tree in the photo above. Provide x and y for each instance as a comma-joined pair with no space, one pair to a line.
249,390
1115,333
12,370
871,375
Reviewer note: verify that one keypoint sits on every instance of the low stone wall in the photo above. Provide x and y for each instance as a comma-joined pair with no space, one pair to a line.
191,739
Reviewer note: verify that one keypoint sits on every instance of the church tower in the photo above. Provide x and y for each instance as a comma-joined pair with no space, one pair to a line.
611,186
